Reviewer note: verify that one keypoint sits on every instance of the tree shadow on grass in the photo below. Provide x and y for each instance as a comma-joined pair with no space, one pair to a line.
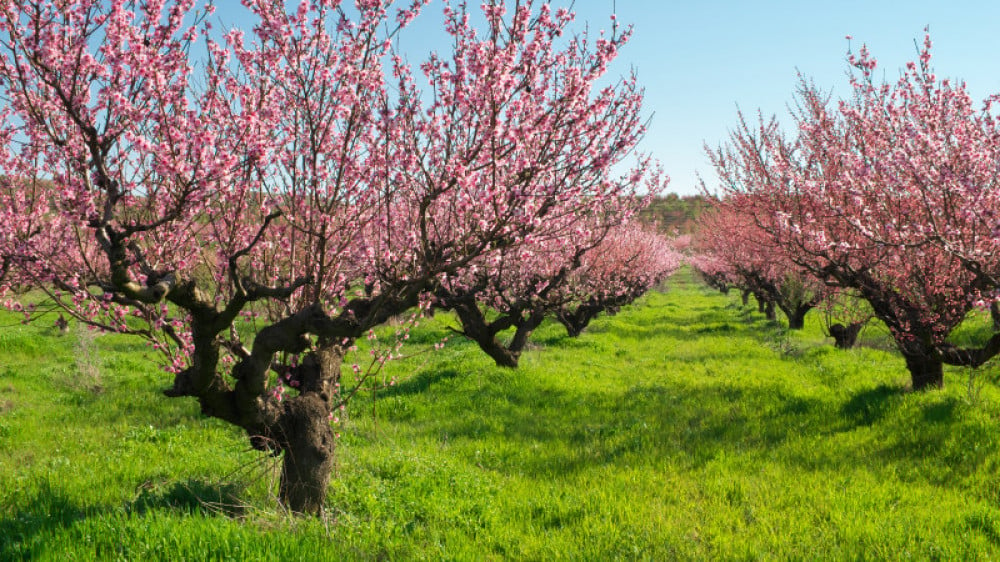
192,495
870,406
545,431
420,382
25,533
985,525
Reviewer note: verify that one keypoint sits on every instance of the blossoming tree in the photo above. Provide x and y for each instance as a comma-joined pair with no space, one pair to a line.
629,262
292,185
891,193
756,265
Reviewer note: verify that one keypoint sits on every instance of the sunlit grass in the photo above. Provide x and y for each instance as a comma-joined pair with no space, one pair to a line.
685,427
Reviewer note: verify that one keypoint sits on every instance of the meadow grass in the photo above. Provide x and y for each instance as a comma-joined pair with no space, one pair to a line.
685,427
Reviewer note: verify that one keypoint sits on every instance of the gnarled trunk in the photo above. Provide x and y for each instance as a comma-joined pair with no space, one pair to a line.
576,320
476,327
309,443
303,431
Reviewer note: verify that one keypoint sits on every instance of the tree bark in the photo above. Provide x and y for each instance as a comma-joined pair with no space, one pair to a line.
576,320
926,369
484,333
309,443
304,432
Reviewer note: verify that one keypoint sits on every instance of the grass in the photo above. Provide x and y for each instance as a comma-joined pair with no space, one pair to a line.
685,427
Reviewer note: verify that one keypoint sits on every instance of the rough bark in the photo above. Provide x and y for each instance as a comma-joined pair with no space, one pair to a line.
308,442
298,426
303,431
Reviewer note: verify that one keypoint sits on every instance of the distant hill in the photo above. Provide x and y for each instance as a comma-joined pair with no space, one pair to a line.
675,213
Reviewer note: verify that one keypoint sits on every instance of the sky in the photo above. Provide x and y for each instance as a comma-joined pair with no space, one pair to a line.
702,60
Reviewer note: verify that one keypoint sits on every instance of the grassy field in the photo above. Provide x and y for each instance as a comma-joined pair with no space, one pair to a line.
685,427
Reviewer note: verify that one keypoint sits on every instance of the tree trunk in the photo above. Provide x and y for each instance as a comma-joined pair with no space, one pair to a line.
478,329
523,329
925,368
797,317
577,320
745,297
769,311
484,333
502,356
797,320
995,314
305,434
574,327
844,337
309,445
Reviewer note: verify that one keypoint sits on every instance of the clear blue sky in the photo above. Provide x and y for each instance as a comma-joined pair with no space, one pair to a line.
699,59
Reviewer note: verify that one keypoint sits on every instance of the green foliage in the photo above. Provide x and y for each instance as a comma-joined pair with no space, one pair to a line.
685,427
675,213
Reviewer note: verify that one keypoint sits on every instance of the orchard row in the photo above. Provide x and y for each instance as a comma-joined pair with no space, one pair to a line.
253,201
884,204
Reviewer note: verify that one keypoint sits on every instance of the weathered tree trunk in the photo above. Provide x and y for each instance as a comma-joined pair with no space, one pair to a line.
502,356
476,327
745,297
304,433
844,337
926,369
308,441
574,325
523,329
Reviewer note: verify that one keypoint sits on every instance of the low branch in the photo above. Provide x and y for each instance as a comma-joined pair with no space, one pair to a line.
970,357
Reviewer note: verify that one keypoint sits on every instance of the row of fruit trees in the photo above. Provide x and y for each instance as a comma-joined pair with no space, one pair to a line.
885,204
252,202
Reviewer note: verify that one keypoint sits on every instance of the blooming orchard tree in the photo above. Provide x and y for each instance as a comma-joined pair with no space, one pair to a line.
756,264
512,292
502,106
891,193
713,271
630,261
574,278
290,186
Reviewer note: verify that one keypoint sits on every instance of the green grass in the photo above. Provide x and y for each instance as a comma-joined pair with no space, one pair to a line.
685,427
